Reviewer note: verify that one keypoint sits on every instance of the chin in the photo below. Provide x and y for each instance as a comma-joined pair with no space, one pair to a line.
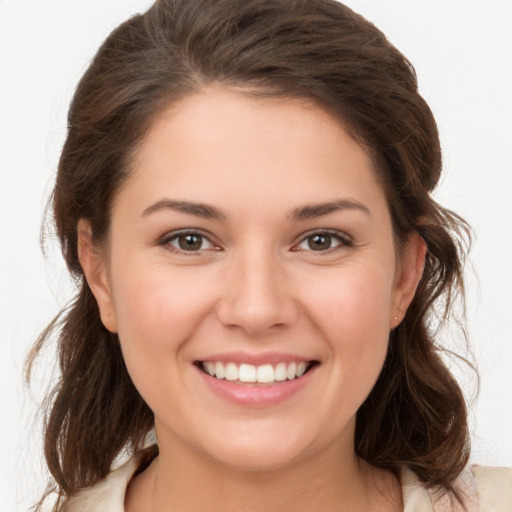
258,452
256,460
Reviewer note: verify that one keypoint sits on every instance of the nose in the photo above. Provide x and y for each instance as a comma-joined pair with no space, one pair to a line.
257,294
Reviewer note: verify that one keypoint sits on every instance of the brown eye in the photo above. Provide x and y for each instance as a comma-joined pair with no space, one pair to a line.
320,242
190,242
323,241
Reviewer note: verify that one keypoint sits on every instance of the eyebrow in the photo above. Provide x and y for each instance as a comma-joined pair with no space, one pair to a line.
318,210
197,209
205,211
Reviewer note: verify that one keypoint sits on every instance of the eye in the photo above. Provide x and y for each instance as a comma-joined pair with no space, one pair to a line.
322,241
188,241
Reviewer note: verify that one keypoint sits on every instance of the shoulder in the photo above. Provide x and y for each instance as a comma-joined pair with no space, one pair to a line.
494,488
484,489
109,493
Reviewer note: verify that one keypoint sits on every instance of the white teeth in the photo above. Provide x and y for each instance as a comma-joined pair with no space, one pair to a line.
231,371
220,373
291,371
247,373
263,374
280,372
210,368
301,368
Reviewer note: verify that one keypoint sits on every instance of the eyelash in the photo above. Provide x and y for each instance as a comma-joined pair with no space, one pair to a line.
343,241
175,236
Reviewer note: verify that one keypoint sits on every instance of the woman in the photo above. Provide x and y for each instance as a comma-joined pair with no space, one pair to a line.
243,197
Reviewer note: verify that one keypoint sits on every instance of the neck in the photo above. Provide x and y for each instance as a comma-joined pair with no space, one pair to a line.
333,480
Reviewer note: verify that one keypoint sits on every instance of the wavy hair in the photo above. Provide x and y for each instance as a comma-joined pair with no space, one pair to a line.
317,49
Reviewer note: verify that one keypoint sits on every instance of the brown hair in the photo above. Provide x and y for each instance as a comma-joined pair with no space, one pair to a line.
319,49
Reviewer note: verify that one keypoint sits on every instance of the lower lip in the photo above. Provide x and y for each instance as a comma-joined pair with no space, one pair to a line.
256,395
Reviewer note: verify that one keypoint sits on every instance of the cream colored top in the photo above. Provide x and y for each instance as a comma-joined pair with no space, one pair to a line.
487,489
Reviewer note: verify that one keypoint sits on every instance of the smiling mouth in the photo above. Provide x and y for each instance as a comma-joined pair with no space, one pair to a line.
251,374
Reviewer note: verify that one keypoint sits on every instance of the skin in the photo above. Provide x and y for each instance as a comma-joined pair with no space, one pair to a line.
255,286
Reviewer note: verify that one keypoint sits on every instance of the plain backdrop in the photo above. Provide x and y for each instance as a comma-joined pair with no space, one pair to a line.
462,51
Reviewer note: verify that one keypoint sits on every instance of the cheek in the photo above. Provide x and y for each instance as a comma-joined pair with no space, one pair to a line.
157,310
352,300
352,309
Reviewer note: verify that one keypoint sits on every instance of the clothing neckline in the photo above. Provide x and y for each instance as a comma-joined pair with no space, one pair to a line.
109,494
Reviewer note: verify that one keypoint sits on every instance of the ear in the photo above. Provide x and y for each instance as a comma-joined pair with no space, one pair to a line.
408,274
95,268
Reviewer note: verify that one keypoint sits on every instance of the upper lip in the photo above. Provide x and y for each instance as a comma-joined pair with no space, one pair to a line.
255,359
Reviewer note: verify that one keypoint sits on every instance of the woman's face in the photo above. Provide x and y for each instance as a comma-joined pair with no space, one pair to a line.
252,242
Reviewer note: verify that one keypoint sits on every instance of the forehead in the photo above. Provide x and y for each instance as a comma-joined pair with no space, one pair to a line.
223,143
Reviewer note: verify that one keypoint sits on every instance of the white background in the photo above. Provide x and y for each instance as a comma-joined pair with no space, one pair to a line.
462,51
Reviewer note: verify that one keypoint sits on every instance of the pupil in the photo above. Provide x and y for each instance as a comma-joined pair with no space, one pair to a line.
319,242
190,242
